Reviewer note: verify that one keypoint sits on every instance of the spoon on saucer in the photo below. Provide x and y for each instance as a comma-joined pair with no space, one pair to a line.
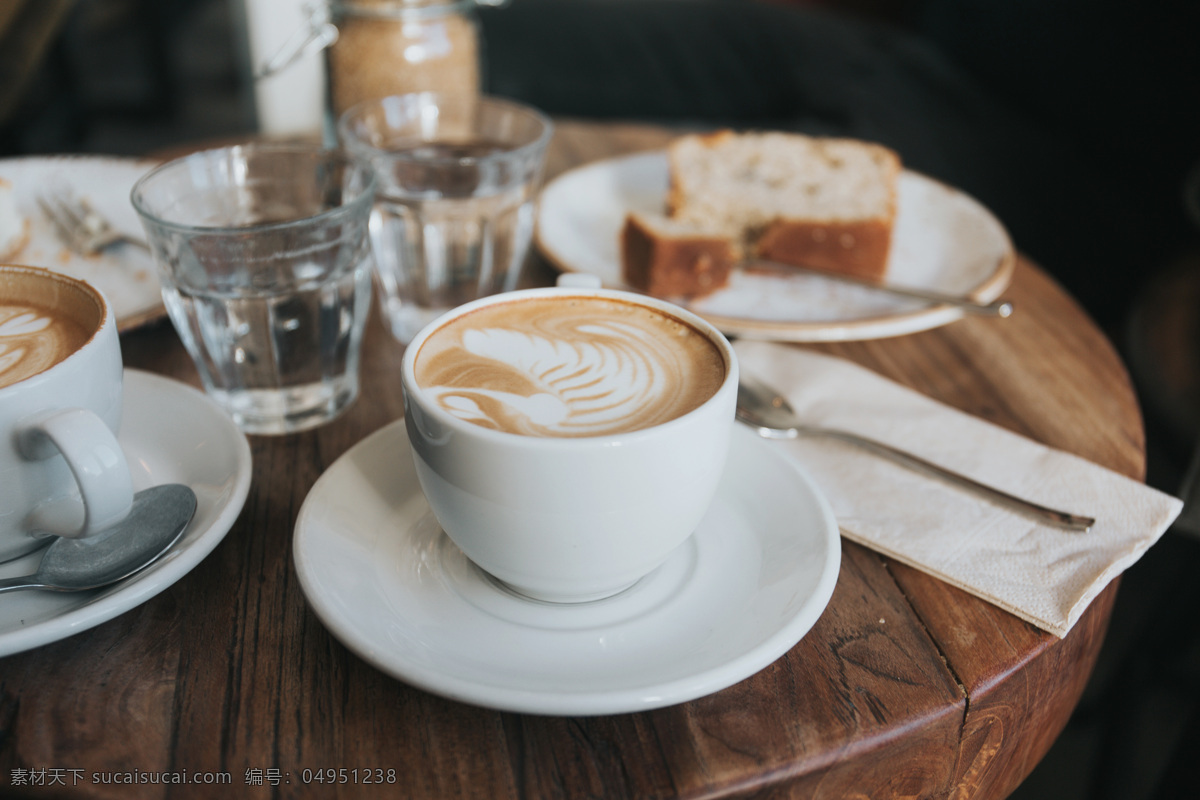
156,521
769,413
998,308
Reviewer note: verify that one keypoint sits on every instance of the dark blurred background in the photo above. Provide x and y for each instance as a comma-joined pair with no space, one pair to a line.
1076,121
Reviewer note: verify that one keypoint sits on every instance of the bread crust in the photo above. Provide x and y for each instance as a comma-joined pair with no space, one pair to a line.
858,249
17,244
666,265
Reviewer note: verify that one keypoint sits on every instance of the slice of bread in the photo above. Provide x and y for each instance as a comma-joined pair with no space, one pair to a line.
14,228
669,258
824,203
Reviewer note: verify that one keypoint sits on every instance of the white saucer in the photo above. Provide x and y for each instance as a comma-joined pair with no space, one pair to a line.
736,596
943,240
208,454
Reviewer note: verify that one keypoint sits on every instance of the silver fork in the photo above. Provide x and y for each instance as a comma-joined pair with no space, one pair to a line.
80,226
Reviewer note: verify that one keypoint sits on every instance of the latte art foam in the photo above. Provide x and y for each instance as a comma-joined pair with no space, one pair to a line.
567,367
33,339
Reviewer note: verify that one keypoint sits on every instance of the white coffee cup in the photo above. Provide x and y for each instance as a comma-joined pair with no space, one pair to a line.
62,471
565,519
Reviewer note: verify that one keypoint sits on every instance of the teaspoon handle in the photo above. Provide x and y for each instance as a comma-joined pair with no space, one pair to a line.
19,582
999,308
1062,519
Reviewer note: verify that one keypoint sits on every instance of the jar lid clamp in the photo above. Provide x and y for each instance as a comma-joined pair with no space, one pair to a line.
319,31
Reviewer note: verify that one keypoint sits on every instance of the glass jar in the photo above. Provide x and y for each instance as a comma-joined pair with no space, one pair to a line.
387,47
377,48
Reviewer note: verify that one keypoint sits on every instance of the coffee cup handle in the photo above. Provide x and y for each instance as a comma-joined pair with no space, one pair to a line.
96,460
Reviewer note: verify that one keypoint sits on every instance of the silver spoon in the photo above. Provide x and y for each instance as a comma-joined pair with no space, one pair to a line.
999,308
769,413
157,520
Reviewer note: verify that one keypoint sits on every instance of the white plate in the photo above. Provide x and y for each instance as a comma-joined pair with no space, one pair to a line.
125,274
208,454
388,583
943,240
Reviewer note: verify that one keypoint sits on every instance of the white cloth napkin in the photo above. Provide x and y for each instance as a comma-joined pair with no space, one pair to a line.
1041,573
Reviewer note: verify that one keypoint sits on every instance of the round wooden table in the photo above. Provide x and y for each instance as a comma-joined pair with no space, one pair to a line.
906,687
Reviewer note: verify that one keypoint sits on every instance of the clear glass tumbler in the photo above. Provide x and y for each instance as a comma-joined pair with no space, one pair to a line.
266,270
454,214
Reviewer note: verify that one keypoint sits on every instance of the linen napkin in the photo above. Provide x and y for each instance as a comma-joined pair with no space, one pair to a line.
1041,573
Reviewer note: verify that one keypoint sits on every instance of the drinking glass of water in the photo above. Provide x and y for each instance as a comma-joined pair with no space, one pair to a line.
454,213
265,265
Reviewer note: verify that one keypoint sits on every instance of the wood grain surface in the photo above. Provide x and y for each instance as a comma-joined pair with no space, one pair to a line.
905,688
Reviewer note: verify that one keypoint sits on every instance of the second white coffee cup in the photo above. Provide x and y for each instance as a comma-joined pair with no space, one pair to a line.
569,440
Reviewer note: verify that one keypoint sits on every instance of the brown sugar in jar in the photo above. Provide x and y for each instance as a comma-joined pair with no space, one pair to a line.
387,47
